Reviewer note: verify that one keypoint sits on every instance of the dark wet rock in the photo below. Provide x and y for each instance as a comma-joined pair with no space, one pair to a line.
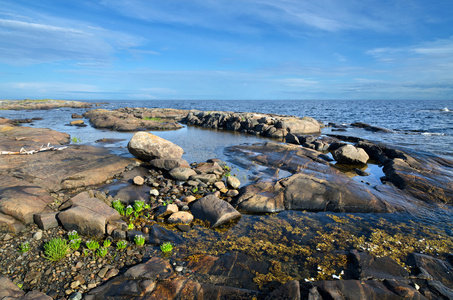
433,269
159,235
109,141
214,210
312,192
169,164
375,152
361,172
76,116
233,269
292,139
362,289
148,146
369,127
426,178
369,267
289,290
88,216
415,177
135,119
349,154
209,168
207,178
182,173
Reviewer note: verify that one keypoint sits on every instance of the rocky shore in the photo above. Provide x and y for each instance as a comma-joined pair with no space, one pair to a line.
167,229
40,104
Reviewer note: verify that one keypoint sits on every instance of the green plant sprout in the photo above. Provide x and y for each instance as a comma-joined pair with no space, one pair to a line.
102,252
73,235
129,210
75,244
139,205
166,247
92,245
130,226
75,140
118,206
19,285
194,190
24,247
56,249
139,240
120,245
107,243
147,207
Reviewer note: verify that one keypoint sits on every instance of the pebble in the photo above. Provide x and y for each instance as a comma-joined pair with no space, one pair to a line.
7,237
179,268
154,192
75,296
37,235
102,272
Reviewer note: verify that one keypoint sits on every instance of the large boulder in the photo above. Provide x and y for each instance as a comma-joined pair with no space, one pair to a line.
147,146
348,154
214,210
312,192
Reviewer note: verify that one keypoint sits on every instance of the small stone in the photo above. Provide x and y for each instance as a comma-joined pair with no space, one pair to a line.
179,269
233,182
102,272
110,273
154,192
180,217
219,185
189,199
68,292
37,235
91,286
138,180
75,284
7,237
75,296
232,193
224,190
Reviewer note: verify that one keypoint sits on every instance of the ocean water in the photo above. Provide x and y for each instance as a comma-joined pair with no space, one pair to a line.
424,126
420,125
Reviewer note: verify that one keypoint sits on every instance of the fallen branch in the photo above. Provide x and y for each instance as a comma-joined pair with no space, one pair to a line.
29,152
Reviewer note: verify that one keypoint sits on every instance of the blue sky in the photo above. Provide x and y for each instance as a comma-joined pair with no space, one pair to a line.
219,49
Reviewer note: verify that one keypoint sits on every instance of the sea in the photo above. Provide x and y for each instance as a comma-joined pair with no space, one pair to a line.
424,126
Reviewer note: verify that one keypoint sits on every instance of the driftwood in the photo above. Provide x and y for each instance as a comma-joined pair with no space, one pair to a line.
28,152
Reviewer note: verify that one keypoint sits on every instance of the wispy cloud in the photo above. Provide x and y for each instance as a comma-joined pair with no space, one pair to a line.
249,16
26,43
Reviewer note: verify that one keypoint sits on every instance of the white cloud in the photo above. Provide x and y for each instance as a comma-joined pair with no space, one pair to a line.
27,43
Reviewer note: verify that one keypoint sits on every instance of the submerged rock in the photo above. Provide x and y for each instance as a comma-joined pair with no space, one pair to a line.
214,210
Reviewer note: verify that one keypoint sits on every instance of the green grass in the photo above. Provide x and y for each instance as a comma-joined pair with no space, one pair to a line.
56,249
153,119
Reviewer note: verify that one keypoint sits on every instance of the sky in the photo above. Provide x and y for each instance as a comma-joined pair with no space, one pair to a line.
226,49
